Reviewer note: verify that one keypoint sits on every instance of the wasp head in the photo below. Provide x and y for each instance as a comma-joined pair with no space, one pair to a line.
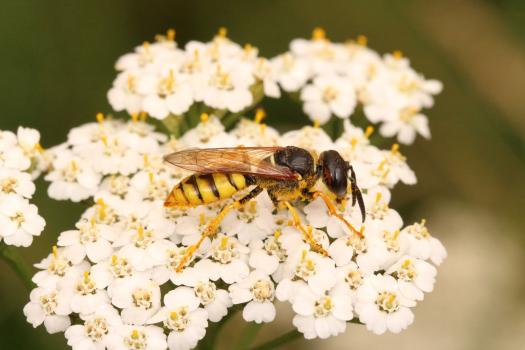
335,173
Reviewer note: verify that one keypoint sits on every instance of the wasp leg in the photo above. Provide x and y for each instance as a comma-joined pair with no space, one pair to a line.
307,233
212,227
333,211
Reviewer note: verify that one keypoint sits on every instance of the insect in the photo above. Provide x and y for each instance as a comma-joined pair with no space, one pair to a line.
286,173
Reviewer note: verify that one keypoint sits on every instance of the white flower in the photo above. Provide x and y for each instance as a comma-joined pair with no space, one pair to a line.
264,71
381,306
91,239
423,245
252,221
96,331
183,317
137,296
292,73
28,139
208,134
414,276
165,93
257,290
48,306
251,133
215,301
328,95
268,255
384,247
350,278
308,137
108,272
110,155
321,315
405,124
228,87
57,267
227,260
19,221
14,158
139,248
124,95
127,337
71,178
13,181
84,293
306,267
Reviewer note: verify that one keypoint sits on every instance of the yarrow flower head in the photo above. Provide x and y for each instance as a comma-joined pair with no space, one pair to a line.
138,272
21,160
333,78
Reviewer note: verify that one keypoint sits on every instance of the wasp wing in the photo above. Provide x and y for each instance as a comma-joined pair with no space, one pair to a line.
244,160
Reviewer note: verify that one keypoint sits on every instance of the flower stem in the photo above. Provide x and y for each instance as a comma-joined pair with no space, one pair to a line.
283,339
13,258
208,342
248,336
288,337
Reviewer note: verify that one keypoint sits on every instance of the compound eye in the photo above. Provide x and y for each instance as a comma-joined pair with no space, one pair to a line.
334,173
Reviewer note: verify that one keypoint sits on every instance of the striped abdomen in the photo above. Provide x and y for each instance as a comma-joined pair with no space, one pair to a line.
204,189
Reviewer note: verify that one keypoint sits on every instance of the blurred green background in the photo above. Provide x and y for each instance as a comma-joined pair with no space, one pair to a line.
56,65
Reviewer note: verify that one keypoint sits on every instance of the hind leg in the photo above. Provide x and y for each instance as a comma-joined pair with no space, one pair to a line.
213,226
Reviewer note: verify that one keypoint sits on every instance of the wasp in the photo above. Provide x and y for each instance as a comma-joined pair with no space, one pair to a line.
287,174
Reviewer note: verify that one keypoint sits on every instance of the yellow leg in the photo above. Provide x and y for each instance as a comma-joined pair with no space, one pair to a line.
209,231
307,233
333,212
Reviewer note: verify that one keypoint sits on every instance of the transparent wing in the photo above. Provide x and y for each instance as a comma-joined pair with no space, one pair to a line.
244,160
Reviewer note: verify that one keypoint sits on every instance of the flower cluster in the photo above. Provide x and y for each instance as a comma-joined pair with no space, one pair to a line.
21,161
330,79
162,79
333,78
113,281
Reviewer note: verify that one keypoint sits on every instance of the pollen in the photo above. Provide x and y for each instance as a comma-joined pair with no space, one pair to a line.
262,129
362,40
204,117
224,242
317,123
100,117
395,148
151,177
86,276
260,114
277,234
202,219
39,148
310,265
135,334
114,259
134,117
55,251
379,195
143,116
318,34
369,131
173,315
397,54
170,34
223,32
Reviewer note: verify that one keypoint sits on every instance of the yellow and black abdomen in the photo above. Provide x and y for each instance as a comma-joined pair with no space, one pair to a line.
200,189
